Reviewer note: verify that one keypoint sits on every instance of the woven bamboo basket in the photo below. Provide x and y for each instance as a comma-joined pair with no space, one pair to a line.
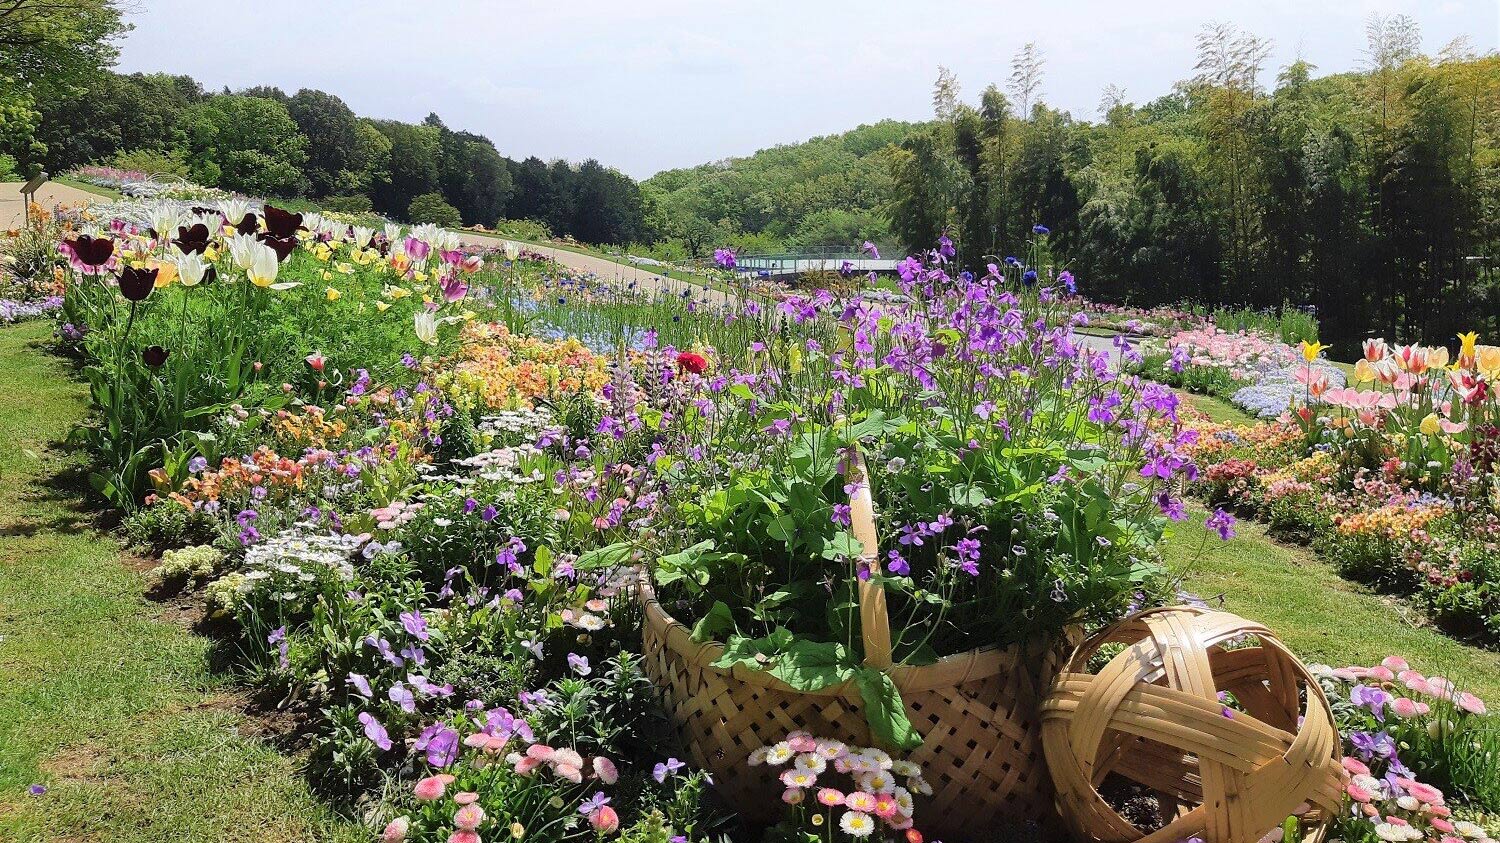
978,712
1152,716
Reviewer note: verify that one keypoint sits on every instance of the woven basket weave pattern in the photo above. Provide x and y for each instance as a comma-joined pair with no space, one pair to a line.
978,713
1152,715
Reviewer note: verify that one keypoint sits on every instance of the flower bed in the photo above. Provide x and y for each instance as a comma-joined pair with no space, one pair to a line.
1395,480
416,502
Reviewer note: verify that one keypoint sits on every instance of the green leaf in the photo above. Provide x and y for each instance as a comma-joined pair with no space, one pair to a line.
719,619
884,710
754,653
843,545
812,665
610,556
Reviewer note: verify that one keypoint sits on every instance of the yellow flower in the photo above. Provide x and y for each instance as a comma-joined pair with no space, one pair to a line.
344,268
397,292
211,254
327,276
1429,424
1437,357
1310,350
1363,372
333,294
1487,358
322,252
419,277
382,306
166,273
1466,349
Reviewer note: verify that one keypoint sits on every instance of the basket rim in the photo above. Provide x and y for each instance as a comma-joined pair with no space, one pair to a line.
946,672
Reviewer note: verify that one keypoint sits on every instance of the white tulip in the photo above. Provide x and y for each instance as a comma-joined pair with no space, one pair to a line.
512,250
191,268
263,265
233,210
242,248
392,232
165,218
362,236
426,326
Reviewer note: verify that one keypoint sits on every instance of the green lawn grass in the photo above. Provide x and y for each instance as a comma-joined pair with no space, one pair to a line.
1217,409
89,188
112,709
1320,615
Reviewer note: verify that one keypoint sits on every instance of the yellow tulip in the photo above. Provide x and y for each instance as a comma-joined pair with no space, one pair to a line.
1437,357
166,274
1363,372
1429,424
333,294
1487,358
1310,350
1467,341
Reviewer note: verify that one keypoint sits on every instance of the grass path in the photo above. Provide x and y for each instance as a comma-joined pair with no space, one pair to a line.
113,710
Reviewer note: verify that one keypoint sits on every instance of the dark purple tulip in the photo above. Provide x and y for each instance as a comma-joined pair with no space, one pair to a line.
137,284
282,246
92,251
248,225
191,240
281,223
154,356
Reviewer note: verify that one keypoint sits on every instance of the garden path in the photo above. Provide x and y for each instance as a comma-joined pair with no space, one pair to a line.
106,699
13,212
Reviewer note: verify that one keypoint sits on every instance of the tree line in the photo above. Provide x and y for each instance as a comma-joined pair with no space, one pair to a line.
61,106
1370,196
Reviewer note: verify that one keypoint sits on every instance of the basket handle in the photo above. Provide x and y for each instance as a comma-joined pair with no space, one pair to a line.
874,621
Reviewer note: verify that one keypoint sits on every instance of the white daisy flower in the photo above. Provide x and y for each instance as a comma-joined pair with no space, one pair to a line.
856,824
779,753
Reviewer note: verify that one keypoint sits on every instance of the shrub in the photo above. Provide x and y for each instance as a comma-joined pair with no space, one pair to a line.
533,230
346,204
189,565
151,162
432,208
8,168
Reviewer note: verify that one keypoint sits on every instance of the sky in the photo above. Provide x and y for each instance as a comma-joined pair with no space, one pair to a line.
654,84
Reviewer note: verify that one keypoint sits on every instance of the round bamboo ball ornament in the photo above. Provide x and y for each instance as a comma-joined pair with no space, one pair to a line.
1206,712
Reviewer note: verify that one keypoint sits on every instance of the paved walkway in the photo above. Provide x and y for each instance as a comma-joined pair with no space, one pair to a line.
13,213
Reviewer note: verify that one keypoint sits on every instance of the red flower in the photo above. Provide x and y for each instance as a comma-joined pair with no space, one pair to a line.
690,362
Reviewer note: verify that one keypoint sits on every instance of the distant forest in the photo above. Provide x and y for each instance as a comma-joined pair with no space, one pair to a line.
264,142
1371,196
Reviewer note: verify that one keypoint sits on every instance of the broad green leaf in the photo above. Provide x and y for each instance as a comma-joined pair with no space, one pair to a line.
884,710
812,665
719,619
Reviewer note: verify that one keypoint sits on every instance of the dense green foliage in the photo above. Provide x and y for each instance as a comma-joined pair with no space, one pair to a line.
262,142
49,51
827,191
1369,196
